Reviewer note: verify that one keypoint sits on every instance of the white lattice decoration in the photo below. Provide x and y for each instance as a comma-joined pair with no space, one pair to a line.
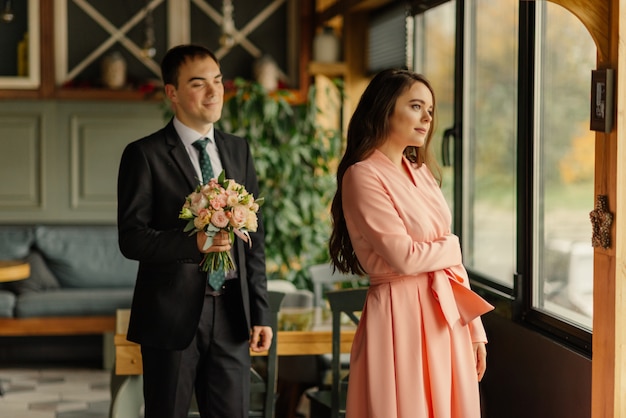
117,34
178,33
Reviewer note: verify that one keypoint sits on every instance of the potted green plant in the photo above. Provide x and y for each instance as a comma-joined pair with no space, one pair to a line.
295,157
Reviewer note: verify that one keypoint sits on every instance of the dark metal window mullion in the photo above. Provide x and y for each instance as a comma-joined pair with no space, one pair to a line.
525,166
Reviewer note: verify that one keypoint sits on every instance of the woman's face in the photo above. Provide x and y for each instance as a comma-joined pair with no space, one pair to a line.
410,122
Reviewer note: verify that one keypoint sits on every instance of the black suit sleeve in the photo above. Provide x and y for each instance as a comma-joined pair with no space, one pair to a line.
151,192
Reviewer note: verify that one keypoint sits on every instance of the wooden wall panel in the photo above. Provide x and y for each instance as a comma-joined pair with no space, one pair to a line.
531,376
59,160
96,146
21,182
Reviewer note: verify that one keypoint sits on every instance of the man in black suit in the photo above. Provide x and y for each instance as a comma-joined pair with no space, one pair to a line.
192,336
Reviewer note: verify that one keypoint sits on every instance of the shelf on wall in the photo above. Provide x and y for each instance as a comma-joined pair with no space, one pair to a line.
108,94
291,96
6,94
330,69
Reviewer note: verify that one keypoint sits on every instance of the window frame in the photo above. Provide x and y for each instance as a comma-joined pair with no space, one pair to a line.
516,302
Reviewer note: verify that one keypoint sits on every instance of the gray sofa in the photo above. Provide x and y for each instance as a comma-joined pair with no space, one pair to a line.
76,271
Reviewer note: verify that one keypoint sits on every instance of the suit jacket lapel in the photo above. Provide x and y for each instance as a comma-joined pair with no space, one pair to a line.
223,147
232,170
180,156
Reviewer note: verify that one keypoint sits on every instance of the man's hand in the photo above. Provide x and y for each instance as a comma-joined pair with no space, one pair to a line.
261,338
480,355
221,242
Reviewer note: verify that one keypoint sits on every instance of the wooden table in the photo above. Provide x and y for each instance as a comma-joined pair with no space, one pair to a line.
11,271
14,270
290,343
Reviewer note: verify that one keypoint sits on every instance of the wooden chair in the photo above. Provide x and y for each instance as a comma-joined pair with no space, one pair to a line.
298,373
324,279
332,401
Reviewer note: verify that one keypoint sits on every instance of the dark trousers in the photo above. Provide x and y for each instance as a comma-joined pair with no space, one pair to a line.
216,363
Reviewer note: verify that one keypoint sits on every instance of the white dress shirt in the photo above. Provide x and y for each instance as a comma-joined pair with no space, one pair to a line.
189,136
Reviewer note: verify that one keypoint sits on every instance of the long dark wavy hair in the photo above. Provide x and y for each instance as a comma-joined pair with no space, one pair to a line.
368,130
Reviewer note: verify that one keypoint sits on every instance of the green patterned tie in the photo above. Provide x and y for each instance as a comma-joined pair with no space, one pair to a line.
215,278
205,161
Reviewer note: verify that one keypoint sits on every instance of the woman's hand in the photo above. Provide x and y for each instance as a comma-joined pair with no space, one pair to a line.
480,355
221,242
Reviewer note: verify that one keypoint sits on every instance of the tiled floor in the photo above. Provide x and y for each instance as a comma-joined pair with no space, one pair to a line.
62,393
54,393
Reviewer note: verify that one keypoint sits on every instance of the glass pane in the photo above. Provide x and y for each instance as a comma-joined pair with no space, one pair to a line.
563,271
14,39
434,57
19,44
489,138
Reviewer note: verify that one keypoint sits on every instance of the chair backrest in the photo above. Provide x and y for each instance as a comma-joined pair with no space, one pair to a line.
324,277
267,387
281,285
344,301
296,310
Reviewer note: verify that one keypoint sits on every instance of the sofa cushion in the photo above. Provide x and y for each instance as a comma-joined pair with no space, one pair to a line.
85,256
15,242
40,279
7,304
73,302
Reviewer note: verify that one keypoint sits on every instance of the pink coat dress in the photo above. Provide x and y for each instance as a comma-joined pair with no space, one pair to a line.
412,355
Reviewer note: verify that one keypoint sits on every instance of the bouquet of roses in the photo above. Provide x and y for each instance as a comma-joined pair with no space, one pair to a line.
220,204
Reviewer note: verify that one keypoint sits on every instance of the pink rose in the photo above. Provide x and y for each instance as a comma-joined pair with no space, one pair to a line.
219,219
203,219
233,186
239,214
197,202
206,190
251,222
218,201
232,199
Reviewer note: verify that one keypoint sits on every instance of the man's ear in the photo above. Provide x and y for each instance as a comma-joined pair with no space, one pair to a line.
170,92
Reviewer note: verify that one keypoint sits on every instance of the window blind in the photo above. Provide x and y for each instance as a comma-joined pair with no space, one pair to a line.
388,39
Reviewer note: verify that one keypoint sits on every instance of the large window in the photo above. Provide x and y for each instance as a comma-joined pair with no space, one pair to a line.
564,167
490,138
434,42
528,160
514,90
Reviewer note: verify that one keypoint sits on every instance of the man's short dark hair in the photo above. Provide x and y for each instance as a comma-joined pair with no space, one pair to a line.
177,56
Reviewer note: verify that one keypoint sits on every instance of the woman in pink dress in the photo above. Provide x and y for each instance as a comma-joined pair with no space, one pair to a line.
419,350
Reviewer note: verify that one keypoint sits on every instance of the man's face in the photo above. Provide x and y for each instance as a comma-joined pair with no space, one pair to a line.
199,97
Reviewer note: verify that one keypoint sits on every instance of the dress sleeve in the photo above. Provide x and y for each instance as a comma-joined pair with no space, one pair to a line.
372,217
477,331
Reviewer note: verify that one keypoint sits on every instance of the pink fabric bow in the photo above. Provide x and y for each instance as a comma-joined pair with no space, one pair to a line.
457,300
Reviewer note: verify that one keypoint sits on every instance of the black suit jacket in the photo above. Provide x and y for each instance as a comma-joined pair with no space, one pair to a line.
155,176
